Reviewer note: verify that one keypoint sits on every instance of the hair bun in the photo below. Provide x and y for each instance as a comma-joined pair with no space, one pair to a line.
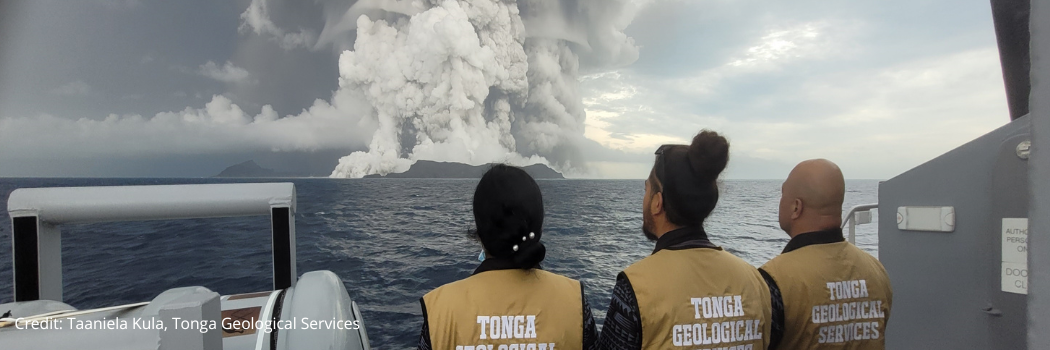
530,255
708,154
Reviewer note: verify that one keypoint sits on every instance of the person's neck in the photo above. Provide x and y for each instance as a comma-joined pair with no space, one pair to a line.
820,223
663,227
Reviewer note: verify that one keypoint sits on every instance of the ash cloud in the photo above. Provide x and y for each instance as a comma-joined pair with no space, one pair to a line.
227,73
472,81
256,18
475,81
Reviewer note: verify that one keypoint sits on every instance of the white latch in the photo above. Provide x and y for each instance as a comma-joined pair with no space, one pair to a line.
862,217
935,219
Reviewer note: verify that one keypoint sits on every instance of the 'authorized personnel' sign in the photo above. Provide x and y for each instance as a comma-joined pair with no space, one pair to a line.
1015,255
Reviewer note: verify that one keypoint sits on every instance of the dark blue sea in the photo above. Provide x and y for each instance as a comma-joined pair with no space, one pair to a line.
390,240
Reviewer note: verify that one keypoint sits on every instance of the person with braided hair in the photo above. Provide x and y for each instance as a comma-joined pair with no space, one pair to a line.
509,302
689,293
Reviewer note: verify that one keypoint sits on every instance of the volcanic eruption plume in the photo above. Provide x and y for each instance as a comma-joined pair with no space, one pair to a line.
475,81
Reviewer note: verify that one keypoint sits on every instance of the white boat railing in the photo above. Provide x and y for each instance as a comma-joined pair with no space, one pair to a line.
36,241
858,215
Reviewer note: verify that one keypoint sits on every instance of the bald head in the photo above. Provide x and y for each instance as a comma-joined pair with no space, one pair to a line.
812,197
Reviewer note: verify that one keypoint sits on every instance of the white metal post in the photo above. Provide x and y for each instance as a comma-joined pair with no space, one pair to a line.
853,228
49,243
36,214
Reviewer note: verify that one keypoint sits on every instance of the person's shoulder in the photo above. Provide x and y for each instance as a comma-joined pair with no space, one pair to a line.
861,254
874,262
555,276
452,287
661,258
783,258
643,263
739,265
567,282
729,257
802,256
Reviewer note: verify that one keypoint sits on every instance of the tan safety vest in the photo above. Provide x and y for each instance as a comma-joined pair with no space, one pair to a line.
836,296
700,298
507,310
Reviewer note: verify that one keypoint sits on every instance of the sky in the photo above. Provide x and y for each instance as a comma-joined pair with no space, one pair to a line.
185,88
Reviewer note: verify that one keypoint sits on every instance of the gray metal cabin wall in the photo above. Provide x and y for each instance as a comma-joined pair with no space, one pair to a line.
1011,33
946,286
1039,177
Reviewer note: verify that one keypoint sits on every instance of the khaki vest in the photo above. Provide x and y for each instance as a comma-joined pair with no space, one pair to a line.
507,310
700,298
836,296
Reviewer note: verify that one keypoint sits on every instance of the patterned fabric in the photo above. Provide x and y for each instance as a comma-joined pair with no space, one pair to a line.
622,329
424,335
590,329
776,332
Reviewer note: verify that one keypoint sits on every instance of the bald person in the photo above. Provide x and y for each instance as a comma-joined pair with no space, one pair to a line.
827,293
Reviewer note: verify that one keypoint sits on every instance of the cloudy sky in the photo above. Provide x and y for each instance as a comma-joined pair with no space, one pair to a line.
186,88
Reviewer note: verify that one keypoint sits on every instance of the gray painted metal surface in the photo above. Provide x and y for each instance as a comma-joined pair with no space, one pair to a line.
63,205
190,303
36,213
198,304
1011,33
1039,178
302,304
81,339
946,286
35,307
319,295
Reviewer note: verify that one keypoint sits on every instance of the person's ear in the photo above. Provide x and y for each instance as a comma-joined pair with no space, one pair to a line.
656,205
796,209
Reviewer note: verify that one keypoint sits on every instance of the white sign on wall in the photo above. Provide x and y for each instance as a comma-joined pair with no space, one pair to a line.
1015,255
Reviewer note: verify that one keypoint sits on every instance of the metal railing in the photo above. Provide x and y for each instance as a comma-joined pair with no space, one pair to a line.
858,215
37,213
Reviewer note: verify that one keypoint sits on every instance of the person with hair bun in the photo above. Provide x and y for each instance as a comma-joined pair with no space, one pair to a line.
689,293
508,302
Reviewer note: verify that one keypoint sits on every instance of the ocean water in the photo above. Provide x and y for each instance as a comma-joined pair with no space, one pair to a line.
390,240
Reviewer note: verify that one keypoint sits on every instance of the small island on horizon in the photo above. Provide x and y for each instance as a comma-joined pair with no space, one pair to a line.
249,169
422,169
426,169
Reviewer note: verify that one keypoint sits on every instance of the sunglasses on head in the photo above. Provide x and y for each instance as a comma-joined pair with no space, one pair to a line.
660,151
659,166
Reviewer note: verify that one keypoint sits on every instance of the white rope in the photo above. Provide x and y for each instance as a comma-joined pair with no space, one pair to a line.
5,322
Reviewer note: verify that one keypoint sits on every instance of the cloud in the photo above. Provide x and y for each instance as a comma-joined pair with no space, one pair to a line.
74,88
878,85
477,81
876,122
594,27
875,87
795,42
472,83
227,73
220,127
257,19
